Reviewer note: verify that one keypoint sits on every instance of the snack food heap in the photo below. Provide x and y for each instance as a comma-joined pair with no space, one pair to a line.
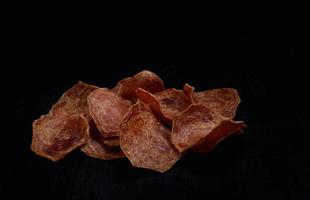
138,119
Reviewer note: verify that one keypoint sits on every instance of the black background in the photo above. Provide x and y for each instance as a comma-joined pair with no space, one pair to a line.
268,161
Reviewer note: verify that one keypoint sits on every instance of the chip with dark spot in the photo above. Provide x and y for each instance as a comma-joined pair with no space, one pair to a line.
198,124
146,80
146,141
165,104
65,127
96,148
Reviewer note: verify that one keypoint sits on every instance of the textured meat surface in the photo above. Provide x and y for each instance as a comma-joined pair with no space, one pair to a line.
146,80
198,124
224,100
107,109
65,127
96,148
165,104
54,138
225,129
146,141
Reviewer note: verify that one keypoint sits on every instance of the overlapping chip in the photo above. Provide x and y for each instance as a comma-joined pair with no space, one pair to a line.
198,124
146,80
146,141
137,119
107,109
166,104
65,127
97,148
224,100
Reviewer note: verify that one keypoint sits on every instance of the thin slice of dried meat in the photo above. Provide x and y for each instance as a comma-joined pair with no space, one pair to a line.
224,130
65,127
146,80
96,148
146,141
167,104
224,100
199,123
107,110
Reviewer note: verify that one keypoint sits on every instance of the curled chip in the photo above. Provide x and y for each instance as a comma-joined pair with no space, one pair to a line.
225,129
167,103
65,127
146,80
146,141
96,148
107,109
224,100
189,92
198,124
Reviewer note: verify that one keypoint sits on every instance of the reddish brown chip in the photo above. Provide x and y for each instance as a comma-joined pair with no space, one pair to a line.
107,109
65,127
196,124
224,130
53,138
167,103
224,100
145,141
96,148
146,80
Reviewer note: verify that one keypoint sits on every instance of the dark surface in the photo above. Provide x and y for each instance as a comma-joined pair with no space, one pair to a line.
270,161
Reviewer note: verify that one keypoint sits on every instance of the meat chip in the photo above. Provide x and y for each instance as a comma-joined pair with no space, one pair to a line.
146,141
97,148
107,110
65,127
224,100
199,124
226,129
166,104
145,79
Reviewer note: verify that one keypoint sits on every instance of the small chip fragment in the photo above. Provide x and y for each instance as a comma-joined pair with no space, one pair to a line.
224,100
146,141
145,79
197,123
107,110
65,127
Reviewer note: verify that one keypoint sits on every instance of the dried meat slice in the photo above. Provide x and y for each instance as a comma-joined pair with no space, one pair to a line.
146,141
65,127
224,130
146,80
54,138
96,148
107,110
74,100
167,104
224,100
198,124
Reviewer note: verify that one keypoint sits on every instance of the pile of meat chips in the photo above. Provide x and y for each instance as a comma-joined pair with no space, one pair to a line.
138,119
